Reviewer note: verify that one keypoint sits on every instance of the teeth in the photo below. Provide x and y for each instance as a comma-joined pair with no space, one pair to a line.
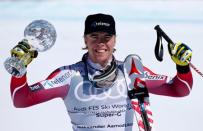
100,51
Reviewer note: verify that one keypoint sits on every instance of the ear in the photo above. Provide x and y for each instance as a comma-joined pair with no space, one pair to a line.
85,40
115,39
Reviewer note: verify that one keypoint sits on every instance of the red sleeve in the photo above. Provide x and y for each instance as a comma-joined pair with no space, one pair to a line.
178,86
24,95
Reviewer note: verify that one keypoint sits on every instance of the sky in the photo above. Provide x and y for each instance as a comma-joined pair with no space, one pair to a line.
135,20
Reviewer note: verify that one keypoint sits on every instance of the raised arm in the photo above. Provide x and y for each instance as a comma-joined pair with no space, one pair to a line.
178,86
181,84
56,85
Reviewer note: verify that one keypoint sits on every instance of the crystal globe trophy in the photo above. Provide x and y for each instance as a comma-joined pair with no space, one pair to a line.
41,36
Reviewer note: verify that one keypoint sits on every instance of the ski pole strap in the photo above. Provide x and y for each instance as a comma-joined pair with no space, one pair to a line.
161,33
158,50
159,46
139,93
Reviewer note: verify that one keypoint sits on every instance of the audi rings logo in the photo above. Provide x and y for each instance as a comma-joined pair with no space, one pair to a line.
84,91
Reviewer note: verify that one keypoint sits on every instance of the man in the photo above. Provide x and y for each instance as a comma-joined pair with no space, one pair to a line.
94,89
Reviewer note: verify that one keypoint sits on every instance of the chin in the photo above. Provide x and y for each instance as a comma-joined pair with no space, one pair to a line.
103,59
99,60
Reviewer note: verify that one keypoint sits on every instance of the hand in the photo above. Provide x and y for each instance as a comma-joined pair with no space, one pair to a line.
181,54
24,52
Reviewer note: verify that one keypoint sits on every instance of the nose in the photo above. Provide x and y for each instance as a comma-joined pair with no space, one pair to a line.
102,40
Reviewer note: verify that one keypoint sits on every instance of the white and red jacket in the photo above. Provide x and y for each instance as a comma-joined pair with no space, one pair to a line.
95,109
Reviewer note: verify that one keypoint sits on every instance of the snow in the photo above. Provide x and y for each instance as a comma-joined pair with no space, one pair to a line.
135,20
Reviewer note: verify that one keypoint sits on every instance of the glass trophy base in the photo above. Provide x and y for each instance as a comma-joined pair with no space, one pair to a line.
15,67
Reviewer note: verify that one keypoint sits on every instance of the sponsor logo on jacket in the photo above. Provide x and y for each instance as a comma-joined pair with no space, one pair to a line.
149,76
60,80
36,87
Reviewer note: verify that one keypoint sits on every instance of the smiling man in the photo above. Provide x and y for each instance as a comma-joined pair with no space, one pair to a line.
100,38
95,90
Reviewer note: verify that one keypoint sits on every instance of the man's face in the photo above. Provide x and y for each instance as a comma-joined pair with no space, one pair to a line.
100,46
